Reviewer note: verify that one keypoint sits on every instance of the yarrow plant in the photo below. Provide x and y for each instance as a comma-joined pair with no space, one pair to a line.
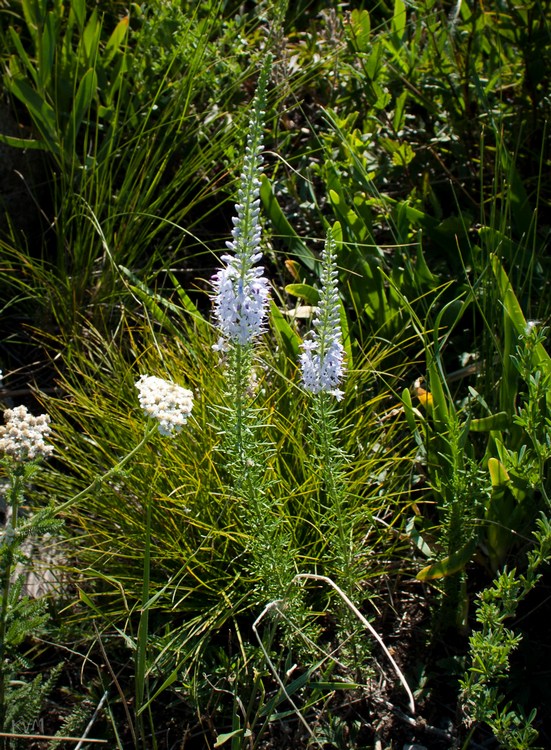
166,402
170,405
22,446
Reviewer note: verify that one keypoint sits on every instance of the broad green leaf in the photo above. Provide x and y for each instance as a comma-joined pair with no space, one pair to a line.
449,565
42,113
514,312
22,55
398,118
303,291
115,40
223,738
91,39
398,25
15,142
34,11
403,155
289,339
354,225
282,227
499,421
360,25
373,62
78,8
498,473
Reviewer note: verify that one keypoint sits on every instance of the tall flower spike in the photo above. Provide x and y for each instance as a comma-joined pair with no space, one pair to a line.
241,291
322,358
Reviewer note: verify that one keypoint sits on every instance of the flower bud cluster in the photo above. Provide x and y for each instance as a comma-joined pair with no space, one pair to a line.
168,403
23,436
322,358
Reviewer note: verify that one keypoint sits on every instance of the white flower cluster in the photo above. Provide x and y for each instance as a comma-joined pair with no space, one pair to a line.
241,292
168,403
22,436
322,355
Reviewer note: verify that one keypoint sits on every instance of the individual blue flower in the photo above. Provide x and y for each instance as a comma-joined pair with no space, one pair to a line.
322,358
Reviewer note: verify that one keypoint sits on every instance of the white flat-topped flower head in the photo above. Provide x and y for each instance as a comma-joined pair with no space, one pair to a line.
322,358
168,403
23,436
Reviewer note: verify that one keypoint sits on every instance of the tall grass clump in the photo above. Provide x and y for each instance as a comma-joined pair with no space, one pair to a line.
132,148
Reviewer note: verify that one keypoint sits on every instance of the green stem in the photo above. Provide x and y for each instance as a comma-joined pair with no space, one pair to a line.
96,483
143,627
332,480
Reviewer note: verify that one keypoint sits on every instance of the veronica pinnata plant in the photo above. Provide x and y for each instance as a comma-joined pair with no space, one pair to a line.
323,370
240,300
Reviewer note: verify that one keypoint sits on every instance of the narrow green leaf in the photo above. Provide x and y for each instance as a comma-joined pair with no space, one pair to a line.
346,338
46,50
83,100
155,309
410,414
171,679
187,303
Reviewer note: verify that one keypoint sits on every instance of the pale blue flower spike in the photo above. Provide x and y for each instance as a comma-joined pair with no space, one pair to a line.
322,358
241,291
